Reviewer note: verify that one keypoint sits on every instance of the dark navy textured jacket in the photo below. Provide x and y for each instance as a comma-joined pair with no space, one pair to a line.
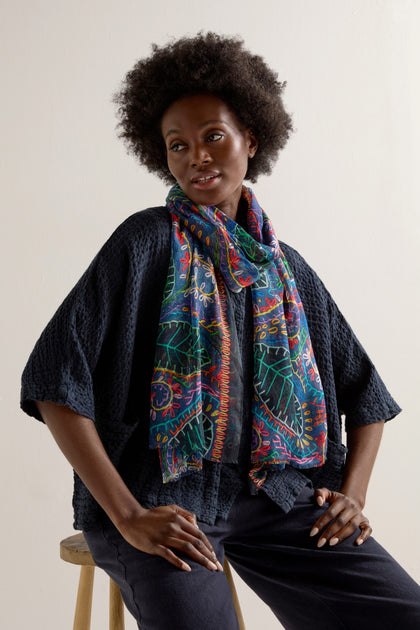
96,356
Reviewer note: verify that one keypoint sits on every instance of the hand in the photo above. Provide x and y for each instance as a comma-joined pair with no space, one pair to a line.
152,531
340,520
155,530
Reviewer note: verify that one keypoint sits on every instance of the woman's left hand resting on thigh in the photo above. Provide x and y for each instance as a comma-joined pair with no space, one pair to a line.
344,515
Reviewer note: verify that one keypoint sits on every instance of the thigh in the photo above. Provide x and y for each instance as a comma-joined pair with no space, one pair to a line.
158,594
343,587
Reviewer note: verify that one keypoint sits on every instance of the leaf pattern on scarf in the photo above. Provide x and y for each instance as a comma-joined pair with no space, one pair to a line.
197,385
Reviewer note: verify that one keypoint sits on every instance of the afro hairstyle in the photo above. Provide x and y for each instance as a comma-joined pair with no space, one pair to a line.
204,64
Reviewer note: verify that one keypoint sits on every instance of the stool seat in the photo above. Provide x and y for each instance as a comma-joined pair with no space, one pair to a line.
75,550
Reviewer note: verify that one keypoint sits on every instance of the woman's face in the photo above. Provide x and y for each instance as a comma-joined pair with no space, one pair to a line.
207,150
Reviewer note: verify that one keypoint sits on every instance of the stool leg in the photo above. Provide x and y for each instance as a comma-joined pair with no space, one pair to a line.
84,599
228,573
116,607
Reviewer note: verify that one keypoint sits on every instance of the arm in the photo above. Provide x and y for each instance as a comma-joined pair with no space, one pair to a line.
363,445
150,530
346,506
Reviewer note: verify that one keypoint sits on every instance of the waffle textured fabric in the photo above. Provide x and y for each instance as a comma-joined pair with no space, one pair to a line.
96,356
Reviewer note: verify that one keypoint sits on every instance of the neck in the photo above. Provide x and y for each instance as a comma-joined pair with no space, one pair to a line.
231,206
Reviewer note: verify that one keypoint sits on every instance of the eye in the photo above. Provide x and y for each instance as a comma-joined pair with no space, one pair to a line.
214,137
176,146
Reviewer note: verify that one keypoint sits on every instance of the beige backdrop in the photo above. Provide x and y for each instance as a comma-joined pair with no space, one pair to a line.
345,193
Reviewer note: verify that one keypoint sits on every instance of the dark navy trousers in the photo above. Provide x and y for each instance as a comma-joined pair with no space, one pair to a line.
345,587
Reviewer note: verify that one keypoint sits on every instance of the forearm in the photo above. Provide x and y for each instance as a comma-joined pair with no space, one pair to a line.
153,531
344,515
79,441
363,444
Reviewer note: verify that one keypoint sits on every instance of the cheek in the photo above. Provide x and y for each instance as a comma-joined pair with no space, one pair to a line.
240,153
173,165
240,163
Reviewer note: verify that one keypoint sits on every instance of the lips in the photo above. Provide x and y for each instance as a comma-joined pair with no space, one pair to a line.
204,180
204,177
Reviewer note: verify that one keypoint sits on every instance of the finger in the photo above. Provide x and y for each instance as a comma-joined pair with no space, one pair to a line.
189,547
321,495
356,522
182,529
329,515
344,526
195,543
366,532
190,516
197,533
169,555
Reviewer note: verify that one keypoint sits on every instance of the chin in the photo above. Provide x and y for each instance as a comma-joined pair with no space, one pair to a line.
203,200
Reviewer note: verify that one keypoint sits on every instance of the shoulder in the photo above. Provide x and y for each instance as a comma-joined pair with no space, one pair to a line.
292,255
320,309
137,250
156,218
145,234
303,273
150,225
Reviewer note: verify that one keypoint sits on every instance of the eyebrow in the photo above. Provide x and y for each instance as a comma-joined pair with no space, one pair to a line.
208,122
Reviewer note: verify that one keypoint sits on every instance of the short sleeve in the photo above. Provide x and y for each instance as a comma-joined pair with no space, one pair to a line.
362,396
63,362
352,386
96,354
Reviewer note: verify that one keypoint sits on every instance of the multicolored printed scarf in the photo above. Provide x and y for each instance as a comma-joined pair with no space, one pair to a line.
197,392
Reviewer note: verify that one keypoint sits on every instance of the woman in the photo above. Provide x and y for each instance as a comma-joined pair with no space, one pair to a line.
196,375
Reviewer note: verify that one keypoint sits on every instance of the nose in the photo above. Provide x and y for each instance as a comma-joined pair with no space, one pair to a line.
199,155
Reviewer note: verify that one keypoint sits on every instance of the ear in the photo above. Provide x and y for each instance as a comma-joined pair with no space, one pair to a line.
252,143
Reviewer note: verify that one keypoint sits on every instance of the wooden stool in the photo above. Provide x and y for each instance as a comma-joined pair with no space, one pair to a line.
75,550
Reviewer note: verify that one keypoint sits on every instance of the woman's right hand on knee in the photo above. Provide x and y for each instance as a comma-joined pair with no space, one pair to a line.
160,530
156,531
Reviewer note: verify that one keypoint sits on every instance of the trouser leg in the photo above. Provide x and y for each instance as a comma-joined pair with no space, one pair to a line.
335,588
159,595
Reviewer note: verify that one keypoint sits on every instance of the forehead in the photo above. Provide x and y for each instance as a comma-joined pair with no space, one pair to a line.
196,111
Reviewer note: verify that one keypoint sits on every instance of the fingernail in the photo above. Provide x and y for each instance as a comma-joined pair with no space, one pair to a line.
216,562
360,541
320,501
212,566
314,531
333,542
321,542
